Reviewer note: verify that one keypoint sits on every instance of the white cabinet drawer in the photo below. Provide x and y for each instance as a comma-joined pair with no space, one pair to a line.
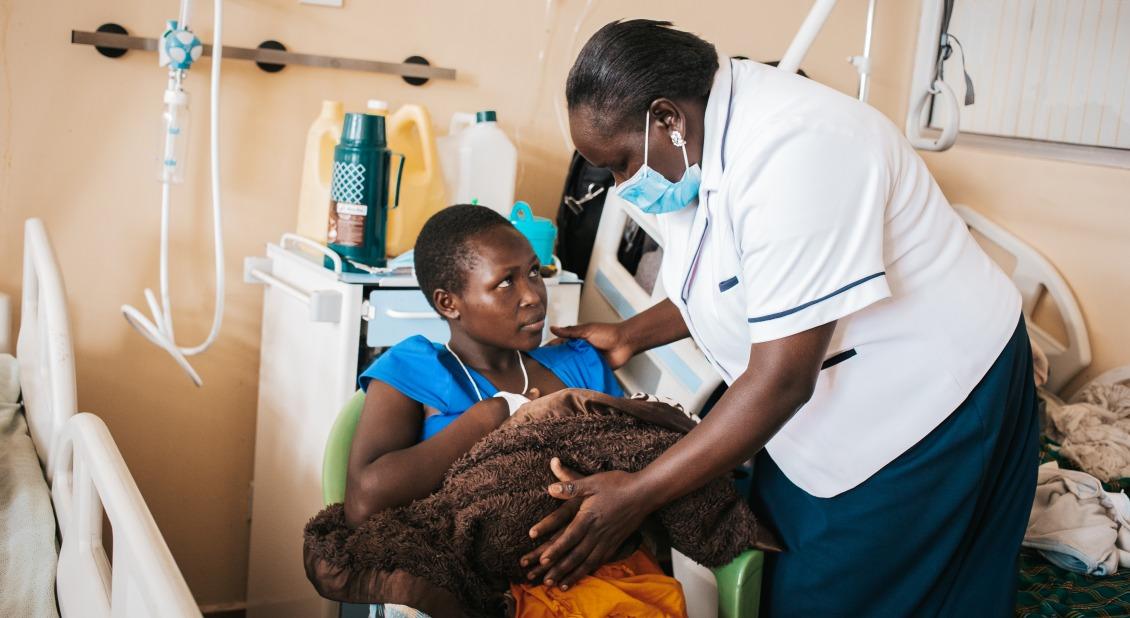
395,315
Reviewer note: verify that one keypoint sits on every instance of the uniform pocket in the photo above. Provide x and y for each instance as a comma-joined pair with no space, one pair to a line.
837,358
727,284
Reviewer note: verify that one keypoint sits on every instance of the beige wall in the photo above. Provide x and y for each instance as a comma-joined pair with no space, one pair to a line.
78,137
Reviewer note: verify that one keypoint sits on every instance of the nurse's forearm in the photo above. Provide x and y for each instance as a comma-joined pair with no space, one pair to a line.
777,383
659,325
728,436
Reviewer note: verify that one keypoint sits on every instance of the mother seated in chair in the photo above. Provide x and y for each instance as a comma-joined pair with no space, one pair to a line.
427,404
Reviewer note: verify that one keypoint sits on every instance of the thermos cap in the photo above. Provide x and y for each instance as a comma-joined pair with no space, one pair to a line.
363,130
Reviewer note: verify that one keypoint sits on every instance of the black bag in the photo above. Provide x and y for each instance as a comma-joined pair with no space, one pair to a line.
578,215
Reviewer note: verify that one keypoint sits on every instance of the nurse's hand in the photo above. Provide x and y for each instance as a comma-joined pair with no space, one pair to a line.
601,511
609,339
658,325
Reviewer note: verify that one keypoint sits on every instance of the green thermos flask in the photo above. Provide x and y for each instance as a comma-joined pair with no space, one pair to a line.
359,192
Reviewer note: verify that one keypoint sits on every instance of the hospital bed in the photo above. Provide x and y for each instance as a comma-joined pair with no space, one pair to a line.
89,483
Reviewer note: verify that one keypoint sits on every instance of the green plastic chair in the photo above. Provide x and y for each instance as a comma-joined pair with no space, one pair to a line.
739,582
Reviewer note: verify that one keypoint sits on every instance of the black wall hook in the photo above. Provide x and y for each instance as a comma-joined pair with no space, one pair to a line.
416,81
111,52
269,67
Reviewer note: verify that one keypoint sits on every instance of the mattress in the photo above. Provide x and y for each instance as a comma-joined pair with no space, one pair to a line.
28,553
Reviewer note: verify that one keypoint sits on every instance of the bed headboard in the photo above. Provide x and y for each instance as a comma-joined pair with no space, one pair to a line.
1035,276
44,352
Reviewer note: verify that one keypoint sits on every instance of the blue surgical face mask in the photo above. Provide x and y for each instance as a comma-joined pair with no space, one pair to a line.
649,191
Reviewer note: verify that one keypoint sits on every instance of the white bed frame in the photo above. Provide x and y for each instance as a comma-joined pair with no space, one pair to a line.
88,477
43,349
1034,275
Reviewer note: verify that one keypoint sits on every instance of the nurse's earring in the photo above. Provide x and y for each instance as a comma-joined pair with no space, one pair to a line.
679,142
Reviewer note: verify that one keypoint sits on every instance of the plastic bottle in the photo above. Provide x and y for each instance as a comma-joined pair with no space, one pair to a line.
449,148
317,171
422,193
377,107
480,162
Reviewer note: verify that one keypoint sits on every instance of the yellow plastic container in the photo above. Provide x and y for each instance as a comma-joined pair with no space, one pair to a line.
422,191
317,171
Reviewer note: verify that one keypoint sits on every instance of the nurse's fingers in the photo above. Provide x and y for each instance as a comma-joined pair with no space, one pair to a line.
577,487
575,533
571,564
555,521
531,560
569,332
595,560
561,472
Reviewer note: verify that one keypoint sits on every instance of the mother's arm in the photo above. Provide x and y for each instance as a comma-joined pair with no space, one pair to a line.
779,379
389,466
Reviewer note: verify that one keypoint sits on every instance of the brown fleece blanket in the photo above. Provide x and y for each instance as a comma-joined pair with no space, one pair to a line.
456,551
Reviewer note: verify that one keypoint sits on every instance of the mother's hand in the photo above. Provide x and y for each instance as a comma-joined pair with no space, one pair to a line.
601,511
609,339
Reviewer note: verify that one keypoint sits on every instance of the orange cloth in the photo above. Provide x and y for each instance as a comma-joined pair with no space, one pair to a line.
634,587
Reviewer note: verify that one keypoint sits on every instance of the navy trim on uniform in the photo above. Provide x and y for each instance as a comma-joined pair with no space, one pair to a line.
774,316
836,359
727,284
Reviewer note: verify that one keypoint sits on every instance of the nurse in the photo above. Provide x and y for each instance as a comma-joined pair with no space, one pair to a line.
877,359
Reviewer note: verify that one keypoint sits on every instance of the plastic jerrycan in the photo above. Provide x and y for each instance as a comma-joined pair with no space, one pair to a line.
480,162
317,171
422,193
451,156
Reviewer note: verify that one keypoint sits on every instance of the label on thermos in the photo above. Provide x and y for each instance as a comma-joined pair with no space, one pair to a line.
347,213
351,224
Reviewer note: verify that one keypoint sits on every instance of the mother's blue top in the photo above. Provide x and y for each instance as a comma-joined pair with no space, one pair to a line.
426,372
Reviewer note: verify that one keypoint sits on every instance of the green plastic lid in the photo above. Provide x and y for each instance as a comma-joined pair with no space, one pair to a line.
363,130
486,116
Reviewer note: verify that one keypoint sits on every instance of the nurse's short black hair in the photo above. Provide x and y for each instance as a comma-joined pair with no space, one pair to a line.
443,249
629,64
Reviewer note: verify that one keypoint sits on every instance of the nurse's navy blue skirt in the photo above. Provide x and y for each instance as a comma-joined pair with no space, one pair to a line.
934,533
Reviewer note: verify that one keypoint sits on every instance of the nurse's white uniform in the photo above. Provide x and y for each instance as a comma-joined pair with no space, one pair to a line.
902,488
813,208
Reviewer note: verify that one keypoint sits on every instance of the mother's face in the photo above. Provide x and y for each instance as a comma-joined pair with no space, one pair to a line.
620,149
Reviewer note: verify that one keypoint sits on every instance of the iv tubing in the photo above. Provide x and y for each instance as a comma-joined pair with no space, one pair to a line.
159,330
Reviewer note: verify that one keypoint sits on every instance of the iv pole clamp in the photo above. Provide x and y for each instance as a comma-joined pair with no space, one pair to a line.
179,48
